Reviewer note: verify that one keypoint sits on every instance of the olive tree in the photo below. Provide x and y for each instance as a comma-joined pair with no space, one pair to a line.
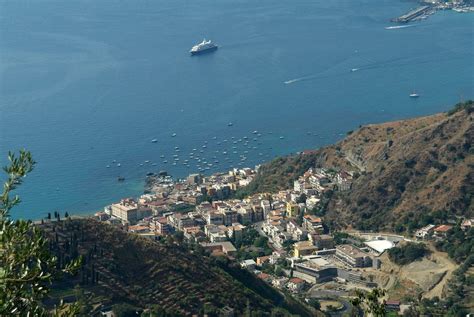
27,268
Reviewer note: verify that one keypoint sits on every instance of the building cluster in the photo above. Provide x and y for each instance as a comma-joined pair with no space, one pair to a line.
201,207
437,233
204,210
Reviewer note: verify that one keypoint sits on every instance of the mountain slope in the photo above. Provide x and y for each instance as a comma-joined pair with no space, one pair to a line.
408,170
124,268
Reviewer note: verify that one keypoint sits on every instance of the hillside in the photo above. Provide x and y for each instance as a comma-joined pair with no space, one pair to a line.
408,171
124,268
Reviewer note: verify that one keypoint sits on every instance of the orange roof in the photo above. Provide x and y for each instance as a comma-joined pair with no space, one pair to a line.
263,276
296,280
443,228
263,259
137,228
313,218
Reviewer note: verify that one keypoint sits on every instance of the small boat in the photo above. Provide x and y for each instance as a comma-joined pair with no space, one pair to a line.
108,166
162,156
354,70
118,165
173,135
154,140
281,138
230,124
147,161
120,178
414,95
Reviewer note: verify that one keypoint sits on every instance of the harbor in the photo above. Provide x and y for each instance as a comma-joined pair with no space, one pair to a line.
416,14
422,12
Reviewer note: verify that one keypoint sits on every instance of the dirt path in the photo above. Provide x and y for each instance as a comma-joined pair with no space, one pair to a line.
448,264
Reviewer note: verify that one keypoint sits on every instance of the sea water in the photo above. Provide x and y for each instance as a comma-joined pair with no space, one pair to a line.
88,84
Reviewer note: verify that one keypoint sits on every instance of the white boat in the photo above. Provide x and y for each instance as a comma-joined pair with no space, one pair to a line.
154,141
203,47
414,95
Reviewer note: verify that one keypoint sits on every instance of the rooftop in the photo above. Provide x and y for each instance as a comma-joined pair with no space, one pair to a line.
351,250
443,228
296,280
380,245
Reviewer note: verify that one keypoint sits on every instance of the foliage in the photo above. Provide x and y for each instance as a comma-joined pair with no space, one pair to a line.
301,199
313,302
467,106
459,244
340,237
412,221
26,266
371,302
260,242
125,310
407,253
279,173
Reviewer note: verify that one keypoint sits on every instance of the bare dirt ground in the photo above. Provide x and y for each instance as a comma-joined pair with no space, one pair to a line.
427,276
441,259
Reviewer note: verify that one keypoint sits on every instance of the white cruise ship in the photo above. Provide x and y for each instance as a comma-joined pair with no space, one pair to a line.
203,47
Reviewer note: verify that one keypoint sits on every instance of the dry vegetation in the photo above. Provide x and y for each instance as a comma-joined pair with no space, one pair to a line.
407,168
123,268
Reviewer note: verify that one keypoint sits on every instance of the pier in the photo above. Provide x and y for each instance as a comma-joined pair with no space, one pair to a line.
413,14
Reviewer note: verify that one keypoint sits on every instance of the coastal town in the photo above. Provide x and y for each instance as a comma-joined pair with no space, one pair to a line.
280,237
429,7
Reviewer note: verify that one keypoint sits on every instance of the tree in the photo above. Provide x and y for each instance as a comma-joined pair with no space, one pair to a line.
301,199
407,253
125,310
26,266
313,302
371,302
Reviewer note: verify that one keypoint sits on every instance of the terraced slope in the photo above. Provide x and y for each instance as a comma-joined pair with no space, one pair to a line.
123,268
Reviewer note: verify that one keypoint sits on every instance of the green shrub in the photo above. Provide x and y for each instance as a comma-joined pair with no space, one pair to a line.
408,253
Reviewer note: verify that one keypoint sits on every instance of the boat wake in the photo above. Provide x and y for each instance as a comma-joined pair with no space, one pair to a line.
292,81
395,27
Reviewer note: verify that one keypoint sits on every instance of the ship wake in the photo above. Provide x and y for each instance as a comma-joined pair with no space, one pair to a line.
396,27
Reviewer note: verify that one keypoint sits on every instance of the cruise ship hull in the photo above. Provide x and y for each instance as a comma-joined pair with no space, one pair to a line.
204,51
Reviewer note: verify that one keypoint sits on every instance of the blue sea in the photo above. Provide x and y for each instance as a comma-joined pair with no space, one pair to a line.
86,84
